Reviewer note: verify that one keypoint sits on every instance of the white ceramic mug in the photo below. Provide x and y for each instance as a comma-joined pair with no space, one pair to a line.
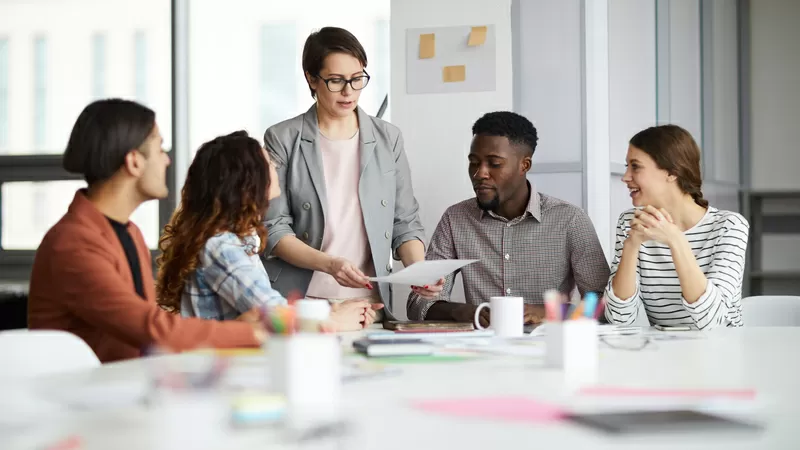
311,313
507,316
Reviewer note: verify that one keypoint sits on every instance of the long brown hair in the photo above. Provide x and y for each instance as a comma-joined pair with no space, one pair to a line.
225,190
674,150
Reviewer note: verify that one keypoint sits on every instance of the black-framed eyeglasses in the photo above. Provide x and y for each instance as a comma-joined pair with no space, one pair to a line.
337,84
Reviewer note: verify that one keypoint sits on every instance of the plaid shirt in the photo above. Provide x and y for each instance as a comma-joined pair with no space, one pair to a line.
229,280
553,245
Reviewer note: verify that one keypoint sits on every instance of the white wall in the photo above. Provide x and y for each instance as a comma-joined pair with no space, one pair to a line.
588,98
725,59
631,71
679,51
548,77
632,88
775,116
775,96
437,127
562,86
720,139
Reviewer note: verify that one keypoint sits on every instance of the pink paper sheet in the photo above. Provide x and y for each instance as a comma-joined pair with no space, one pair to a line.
619,391
499,408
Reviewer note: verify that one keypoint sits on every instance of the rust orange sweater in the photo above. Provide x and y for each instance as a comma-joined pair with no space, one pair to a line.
81,283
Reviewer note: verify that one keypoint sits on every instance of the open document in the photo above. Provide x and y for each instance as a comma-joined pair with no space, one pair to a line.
425,272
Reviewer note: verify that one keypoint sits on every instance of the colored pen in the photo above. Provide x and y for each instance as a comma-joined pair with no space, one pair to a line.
568,308
70,443
601,309
577,311
551,307
590,302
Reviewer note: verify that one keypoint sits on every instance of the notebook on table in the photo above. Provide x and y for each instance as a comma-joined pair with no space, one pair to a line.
426,326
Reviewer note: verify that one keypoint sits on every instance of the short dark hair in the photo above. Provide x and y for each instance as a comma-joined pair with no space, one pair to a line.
327,40
519,130
106,130
674,150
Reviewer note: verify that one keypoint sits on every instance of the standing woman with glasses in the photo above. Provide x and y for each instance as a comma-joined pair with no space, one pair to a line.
348,205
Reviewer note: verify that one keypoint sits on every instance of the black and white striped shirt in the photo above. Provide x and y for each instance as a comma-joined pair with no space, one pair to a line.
718,242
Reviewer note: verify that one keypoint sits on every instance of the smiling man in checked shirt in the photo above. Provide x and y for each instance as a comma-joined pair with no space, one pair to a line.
526,242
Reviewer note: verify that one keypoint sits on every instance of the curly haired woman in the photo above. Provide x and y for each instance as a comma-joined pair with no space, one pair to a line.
210,266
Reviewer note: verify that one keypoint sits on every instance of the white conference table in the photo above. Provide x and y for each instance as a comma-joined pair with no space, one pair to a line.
380,415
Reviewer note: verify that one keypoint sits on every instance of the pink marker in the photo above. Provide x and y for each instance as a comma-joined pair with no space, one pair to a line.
552,310
70,443
600,309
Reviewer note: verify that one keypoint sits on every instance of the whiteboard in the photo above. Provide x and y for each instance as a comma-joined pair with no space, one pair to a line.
424,76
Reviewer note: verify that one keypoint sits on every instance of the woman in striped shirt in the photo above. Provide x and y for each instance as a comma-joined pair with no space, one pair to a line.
676,259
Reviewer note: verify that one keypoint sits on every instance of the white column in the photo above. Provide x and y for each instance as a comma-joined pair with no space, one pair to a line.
596,159
182,153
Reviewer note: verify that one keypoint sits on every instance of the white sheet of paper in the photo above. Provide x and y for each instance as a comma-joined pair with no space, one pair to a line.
500,346
425,272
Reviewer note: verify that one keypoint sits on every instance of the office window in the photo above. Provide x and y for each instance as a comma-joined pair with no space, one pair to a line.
29,209
254,51
98,66
42,207
3,95
277,72
39,93
104,53
140,66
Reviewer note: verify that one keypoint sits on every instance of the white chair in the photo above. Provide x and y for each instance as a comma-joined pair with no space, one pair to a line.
28,353
771,311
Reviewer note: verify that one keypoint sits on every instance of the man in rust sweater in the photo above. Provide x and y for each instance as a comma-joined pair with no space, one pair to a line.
92,275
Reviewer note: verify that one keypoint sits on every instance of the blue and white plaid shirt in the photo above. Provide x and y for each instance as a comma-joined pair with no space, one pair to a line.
229,280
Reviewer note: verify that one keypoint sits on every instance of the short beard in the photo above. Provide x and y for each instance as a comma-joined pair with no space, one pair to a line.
491,205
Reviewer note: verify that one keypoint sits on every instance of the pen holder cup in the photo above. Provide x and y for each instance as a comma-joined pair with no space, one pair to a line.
205,428
306,369
573,347
191,389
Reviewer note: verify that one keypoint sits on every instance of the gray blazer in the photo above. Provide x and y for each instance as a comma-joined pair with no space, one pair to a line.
391,213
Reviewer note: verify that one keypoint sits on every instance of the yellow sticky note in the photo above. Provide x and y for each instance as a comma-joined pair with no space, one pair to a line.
427,46
477,36
454,74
